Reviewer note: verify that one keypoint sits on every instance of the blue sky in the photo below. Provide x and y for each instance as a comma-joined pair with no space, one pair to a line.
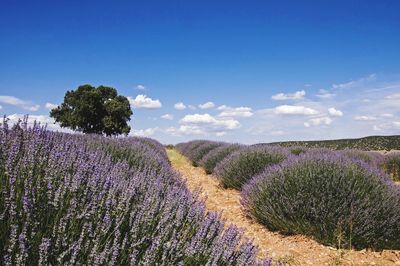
268,70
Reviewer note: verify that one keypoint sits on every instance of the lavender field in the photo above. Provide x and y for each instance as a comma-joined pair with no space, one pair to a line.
341,198
69,199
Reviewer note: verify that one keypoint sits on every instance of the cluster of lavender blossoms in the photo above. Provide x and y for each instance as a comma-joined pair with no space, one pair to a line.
79,199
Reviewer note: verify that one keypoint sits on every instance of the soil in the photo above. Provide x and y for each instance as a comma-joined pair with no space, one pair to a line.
291,250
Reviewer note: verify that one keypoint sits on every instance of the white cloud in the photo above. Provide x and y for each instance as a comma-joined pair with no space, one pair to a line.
318,121
168,117
277,132
180,106
377,128
220,134
141,87
190,130
222,107
143,132
364,118
206,119
192,107
334,112
185,130
207,105
325,94
298,95
50,106
142,101
354,83
396,124
42,119
387,115
235,112
19,103
294,110
395,96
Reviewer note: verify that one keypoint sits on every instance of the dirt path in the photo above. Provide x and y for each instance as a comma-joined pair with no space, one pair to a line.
295,250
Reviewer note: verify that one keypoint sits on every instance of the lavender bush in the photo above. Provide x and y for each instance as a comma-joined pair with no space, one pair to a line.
195,155
236,169
372,158
211,159
327,195
74,199
297,150
391,165
186,147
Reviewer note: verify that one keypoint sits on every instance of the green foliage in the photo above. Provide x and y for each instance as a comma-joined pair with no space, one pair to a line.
391,165
94,110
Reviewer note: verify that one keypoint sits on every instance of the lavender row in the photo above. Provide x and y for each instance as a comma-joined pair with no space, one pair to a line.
206,154
340,198
336,199
74,199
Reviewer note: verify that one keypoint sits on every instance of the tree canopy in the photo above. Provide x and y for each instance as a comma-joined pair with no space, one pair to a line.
94,110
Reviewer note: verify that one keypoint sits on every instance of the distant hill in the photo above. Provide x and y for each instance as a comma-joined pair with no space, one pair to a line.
366,143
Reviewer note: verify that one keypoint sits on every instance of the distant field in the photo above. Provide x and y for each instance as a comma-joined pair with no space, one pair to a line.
366,143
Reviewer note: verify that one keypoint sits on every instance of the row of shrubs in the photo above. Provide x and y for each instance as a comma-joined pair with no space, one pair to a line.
88,200
371,143
338,197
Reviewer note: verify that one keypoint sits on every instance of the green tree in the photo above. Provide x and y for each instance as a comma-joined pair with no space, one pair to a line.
94,110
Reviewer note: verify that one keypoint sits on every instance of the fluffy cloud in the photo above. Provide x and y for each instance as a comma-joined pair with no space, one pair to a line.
294,110
50,106
364,118
190,130
44,120
207,105
168,117
235,112
143,132
298,95
180,106
333,112
395,96
220,134
325,120
19,103
185,130
208,120
142,101
325,94
141,87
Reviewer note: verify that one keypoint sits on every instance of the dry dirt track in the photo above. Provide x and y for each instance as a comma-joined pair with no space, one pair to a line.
295,250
